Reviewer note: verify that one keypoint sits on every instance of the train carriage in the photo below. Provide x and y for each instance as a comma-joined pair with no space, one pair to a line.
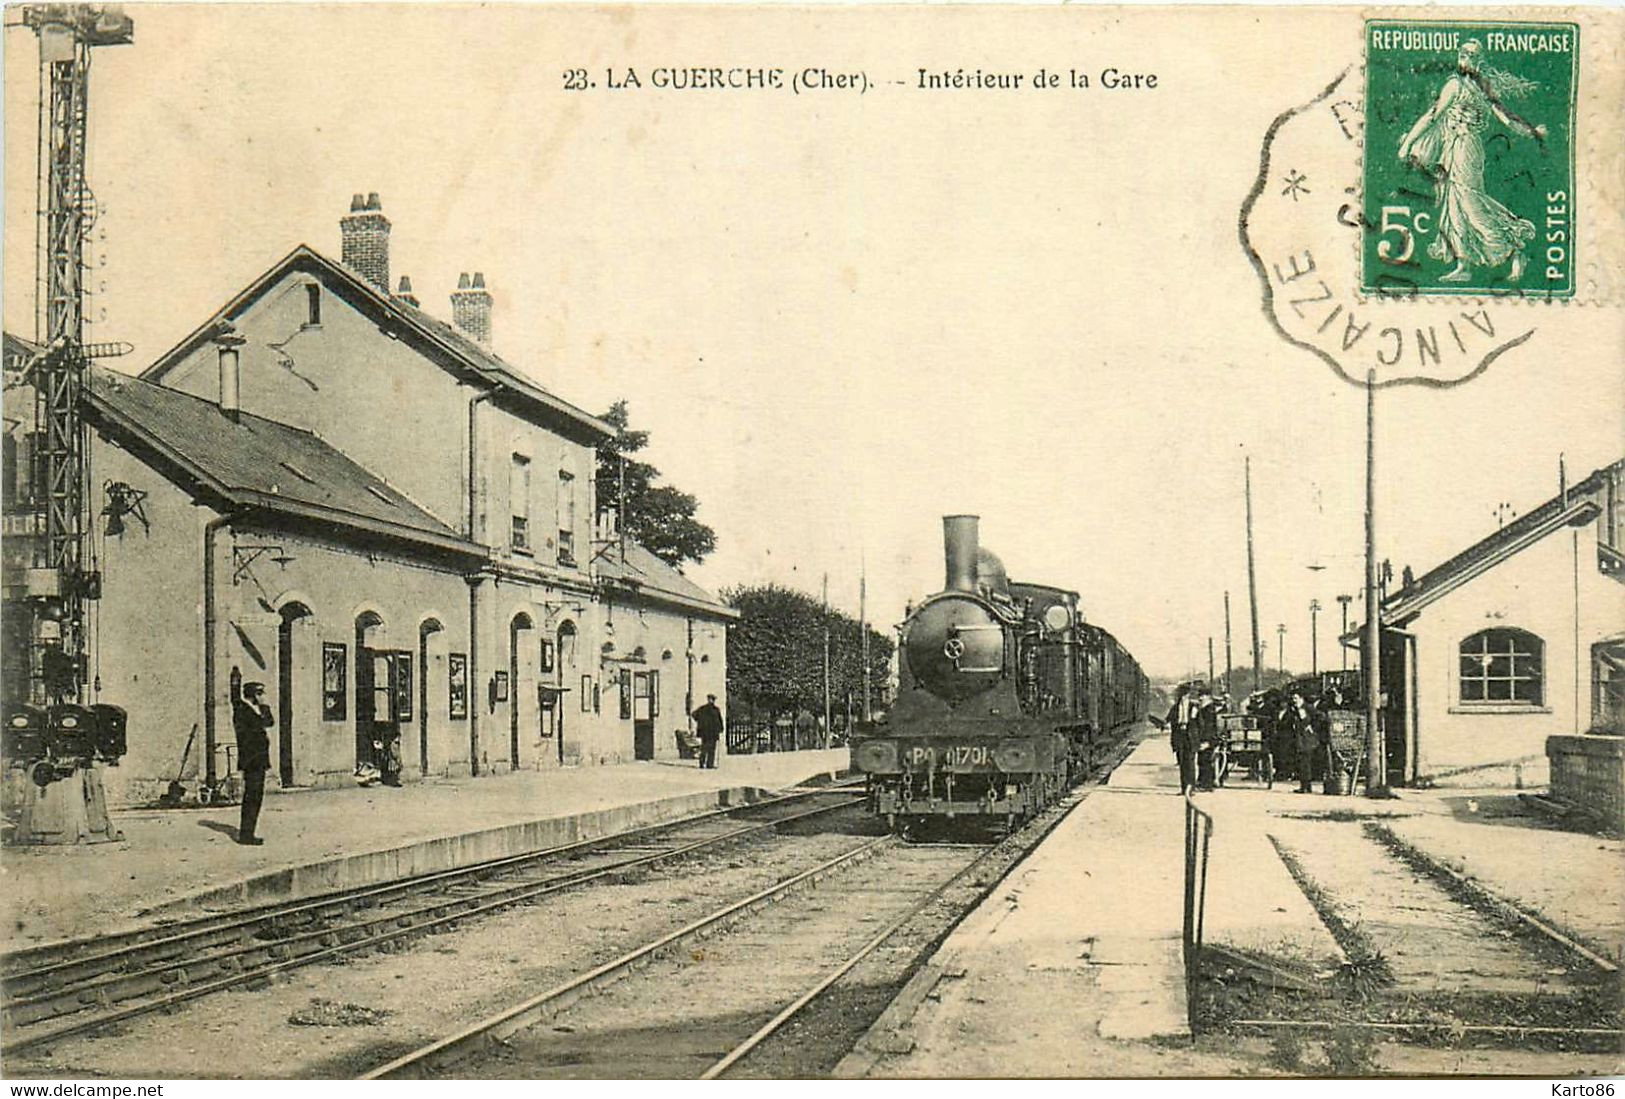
1005,697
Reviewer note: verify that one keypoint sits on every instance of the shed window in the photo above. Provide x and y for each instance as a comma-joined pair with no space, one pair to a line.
1503,666
313,304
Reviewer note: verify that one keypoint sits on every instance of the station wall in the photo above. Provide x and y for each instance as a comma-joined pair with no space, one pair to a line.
1553,590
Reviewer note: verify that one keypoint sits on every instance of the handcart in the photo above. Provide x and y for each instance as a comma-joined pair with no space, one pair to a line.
1242,743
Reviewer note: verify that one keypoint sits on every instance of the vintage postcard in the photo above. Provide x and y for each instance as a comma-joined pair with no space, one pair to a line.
572,541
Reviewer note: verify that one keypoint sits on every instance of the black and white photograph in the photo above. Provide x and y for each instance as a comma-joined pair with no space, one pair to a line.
812,542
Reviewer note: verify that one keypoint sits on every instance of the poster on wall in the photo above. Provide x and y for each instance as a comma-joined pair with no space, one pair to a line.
335,675
457,671
589,695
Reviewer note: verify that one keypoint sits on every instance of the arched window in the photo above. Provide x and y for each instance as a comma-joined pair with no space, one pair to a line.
1503,666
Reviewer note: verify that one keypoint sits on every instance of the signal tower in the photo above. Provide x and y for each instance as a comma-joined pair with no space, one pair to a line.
60,578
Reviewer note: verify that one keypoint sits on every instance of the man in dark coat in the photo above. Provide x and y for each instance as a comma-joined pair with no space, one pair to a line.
1204,736
708,724
1181,726
1305,729
250,717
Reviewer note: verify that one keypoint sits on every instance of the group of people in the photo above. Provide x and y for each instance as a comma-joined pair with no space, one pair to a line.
1299,732
1295,728
1193,731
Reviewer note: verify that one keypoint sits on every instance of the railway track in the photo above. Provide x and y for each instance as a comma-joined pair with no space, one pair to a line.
75,988
786,947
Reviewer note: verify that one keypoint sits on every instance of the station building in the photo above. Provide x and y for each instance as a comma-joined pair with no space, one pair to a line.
1519,637
325,489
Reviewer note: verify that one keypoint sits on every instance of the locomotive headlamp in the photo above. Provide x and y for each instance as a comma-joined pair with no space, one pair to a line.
876,756
1015,756
1057,618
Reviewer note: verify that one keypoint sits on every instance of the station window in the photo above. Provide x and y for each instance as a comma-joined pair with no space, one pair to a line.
313,304
519,502
1503,666
567,517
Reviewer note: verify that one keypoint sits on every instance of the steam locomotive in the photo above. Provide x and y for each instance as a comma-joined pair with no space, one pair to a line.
1005,697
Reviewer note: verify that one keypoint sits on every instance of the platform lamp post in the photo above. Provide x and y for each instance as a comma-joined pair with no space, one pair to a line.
1344,601
1314,637
1280,648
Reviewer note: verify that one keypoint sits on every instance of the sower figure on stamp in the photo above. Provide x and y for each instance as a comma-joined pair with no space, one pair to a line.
708,724
1474,230
250,717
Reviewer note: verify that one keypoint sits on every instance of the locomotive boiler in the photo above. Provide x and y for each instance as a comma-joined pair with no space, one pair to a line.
1005,697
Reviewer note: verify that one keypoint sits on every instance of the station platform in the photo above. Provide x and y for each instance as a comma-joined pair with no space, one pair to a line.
173,861
1073,965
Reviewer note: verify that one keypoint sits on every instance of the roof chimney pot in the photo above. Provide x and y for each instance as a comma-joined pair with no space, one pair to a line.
364,233
404,293
471,308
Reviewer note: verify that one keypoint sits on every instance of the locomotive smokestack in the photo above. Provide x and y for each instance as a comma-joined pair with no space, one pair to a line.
959,545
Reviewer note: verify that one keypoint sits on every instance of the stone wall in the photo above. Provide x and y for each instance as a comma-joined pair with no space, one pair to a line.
1589,772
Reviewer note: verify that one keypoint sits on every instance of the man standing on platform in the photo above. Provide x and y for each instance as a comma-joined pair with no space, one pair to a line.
708,724
1181,735
250,717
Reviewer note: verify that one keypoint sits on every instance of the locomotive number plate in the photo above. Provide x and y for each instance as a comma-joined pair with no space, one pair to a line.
949,757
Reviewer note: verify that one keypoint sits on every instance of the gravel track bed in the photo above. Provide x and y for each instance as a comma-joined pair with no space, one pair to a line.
680,1015
339,1020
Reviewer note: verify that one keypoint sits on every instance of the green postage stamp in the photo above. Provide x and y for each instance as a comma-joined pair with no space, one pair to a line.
1469,158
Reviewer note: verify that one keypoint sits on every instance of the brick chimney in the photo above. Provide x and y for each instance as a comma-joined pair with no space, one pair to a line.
471,308
365,234
403,292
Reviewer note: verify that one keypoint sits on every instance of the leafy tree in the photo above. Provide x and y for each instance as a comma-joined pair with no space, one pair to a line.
658,517
776,652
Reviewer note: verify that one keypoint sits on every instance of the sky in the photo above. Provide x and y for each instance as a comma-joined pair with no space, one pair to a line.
842,316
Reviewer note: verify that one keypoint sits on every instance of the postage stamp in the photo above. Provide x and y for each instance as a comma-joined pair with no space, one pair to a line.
1469,158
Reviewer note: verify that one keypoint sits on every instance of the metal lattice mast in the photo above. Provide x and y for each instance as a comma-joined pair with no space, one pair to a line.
66,35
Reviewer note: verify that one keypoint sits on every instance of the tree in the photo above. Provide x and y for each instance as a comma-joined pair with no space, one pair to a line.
660,518
776,652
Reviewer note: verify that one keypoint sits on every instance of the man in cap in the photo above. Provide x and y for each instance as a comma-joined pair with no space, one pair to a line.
250,717
708,724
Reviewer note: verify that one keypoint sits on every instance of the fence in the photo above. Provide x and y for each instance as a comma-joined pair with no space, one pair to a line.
754,737
1198,833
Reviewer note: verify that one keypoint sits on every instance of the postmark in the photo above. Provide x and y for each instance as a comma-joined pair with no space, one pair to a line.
1303,228
1468,167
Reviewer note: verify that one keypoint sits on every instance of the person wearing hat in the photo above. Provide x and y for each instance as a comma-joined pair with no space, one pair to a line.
1181,724
1204,735
250,717
708,724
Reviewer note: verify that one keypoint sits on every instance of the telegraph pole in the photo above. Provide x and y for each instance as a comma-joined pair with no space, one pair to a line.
1210,663
1252,576
1280,648
1314,637
1345,600
1376,767
863,635
1227,642
828,732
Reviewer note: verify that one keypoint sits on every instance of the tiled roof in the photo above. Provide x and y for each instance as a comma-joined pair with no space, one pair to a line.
1507,539
652,576
486,366
253,462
